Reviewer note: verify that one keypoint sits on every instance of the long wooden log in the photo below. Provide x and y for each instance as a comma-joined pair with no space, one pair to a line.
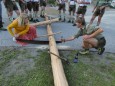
57,68
49,34
45,22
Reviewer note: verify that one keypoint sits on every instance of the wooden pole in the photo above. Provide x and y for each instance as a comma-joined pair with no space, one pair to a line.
45,22
49,34
57,68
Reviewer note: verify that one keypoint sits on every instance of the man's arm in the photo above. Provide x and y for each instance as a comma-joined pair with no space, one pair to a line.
68,39
98,31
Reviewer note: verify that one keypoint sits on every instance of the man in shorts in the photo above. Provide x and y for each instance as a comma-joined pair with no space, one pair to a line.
35,4
81,11
10,6
62,5
92,37
23,6
30,7
72,8
99,11
43,5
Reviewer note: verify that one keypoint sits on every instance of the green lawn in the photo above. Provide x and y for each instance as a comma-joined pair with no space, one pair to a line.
31,67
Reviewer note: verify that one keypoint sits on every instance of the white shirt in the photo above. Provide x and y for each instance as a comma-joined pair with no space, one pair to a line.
72,2
84,1
35,0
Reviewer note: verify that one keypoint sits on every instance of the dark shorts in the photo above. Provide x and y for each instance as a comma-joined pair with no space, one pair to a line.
11,6
101,42
61,7
23,6
72,8
29,6
99,12
43,3
81,10
35,6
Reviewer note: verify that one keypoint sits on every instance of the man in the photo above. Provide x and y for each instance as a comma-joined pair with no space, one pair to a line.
92,37
35,4
61,4
29,7
10,6
43,5
23,6
82,8
72,8
99,11
1,23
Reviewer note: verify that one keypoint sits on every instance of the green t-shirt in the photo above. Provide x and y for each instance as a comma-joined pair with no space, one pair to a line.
100,3
87,30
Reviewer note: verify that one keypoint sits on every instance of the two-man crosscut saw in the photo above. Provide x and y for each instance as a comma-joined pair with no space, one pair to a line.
36,41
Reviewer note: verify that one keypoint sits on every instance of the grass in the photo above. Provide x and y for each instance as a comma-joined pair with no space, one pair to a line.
31,67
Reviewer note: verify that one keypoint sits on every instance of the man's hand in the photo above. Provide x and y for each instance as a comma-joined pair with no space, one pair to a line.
86,37
63,40
14,39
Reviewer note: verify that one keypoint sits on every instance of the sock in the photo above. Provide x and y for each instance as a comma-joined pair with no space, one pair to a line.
43,12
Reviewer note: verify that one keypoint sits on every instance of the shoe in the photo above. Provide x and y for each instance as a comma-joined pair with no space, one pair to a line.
3,29
69,21
31,19
74,24
86,51
37,20
14,18
72,21
41,16
101,50
34,21
59,19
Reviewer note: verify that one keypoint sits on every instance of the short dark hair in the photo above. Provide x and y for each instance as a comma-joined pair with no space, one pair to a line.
81,20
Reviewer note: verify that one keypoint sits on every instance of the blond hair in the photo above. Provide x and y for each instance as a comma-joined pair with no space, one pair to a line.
21,19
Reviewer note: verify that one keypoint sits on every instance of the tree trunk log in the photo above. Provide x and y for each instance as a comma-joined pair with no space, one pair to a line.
45,22
57,67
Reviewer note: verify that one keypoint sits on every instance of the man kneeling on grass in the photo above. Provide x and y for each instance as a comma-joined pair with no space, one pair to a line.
92,37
